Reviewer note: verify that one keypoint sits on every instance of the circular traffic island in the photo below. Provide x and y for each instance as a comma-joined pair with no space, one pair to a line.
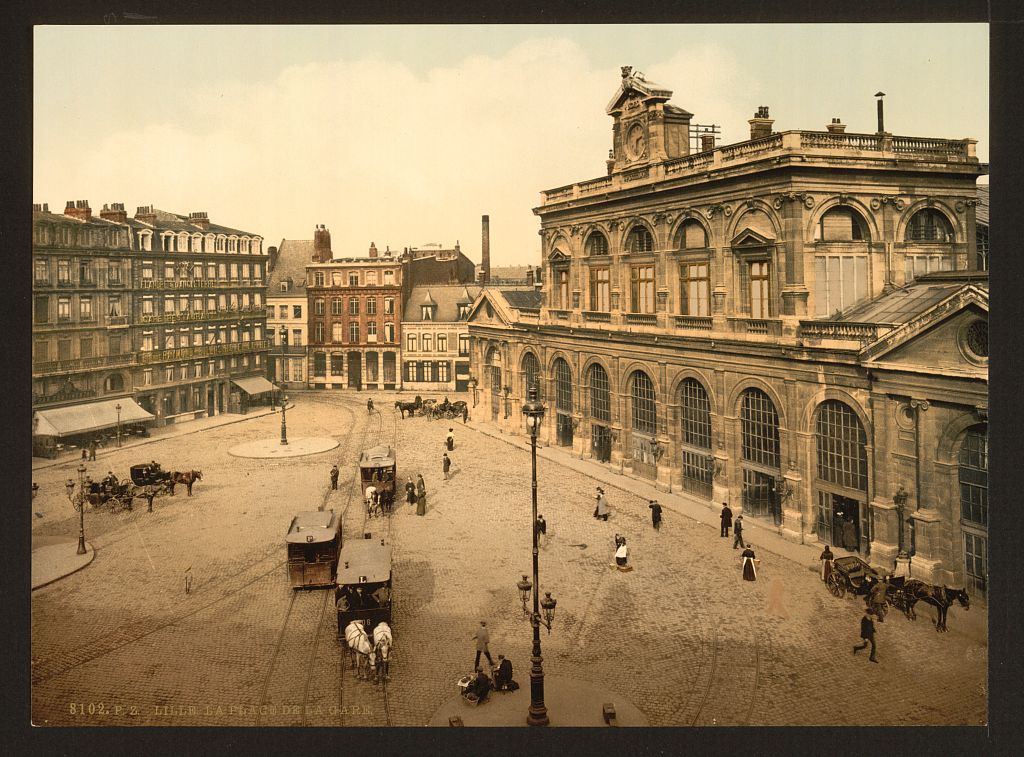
273,449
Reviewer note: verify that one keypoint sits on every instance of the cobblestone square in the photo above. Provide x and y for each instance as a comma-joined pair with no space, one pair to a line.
682,637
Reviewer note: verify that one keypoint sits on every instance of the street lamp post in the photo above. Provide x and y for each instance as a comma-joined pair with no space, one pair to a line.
284,426
538,713
79,504
117,407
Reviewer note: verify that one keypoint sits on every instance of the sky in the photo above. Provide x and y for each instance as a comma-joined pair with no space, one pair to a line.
407,135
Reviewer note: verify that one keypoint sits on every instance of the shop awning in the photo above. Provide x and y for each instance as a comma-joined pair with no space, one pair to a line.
253,384
80,419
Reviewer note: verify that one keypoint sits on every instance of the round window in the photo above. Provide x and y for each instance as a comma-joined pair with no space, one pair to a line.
975,338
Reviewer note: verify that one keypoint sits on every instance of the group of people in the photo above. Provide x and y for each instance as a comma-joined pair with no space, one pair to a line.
748,559
358,598
481,685
416,494
875,603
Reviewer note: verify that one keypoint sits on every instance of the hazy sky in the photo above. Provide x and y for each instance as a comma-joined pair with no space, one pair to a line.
405,135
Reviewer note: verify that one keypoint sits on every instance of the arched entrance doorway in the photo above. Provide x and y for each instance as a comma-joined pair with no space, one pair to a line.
493,368
697,462
760,456
563,403
841,477
600,413
644,424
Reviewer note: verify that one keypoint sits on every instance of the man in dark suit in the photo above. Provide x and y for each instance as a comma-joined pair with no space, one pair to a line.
726,520
738,533
504,675
867,633
334,477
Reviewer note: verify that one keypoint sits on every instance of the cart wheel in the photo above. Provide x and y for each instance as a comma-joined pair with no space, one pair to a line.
837,589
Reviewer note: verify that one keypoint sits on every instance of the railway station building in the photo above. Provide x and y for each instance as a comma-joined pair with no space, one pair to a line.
795,324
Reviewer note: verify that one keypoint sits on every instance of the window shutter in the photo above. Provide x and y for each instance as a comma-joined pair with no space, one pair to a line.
744,287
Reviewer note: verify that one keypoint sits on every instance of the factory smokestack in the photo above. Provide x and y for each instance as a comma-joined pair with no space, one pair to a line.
485,250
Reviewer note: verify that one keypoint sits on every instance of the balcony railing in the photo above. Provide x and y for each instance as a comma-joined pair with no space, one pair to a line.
198,284
597,316
203,351
202,315
842,330
117,320
84,363
693,322
759,326
642,319
562,315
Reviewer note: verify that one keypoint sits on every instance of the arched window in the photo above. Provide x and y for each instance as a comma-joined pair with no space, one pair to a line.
929,225
531,374
695,423
640,240
691,236
973,478
597,244
644,407
114,383
760,424
600,406
841,444
563,386
842,224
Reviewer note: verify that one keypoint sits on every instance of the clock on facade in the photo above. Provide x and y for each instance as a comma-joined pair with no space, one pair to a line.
636,141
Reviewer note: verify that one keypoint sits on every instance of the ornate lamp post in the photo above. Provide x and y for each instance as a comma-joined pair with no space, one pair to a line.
117,407
900,500
533,410
284,424
78,501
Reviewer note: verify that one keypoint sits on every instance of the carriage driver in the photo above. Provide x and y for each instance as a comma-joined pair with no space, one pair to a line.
876,598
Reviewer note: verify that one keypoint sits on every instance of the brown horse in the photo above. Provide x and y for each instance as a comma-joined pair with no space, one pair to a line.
188,478
940,597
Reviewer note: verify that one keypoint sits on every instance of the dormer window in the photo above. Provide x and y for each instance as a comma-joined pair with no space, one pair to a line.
463,312
428,312
284,286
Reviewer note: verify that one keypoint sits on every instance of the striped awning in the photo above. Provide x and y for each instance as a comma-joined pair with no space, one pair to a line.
93,416
253,384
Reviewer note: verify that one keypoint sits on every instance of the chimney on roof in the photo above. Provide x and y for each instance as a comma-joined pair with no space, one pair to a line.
78,209
145,214
836,127
881,112
271,259
373,250
707,142
322,245
114,212
485,250
761,124
200,219
44,208
529,275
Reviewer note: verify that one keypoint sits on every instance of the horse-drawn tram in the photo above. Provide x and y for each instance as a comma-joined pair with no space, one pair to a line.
377,478
314,540
363,592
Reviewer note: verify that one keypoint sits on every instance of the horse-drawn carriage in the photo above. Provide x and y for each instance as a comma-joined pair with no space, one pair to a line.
446,409
362,599
150,474
116,492
377,478
314,540
851,574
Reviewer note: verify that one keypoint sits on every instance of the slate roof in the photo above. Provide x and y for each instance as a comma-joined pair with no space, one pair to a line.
166,221
514,272
982,209
522,298
447,296
903,305
293,255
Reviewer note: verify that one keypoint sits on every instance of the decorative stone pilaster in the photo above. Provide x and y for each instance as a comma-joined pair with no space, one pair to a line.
793,526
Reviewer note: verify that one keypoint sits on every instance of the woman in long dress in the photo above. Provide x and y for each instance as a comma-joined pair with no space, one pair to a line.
421,496
826,558
749,568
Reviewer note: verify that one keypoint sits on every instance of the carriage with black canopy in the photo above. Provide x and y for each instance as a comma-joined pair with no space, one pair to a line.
377,478
363,590
148,474
314,540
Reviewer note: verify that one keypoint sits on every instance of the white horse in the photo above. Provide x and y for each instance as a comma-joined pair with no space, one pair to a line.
382,643
359,645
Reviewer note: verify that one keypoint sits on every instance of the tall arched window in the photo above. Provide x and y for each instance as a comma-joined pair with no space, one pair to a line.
644,424
600,406
973,478
114,383
929,225
494,380
695,436
760,431
597,244
841,479
691,236
531,374
640,240
563,386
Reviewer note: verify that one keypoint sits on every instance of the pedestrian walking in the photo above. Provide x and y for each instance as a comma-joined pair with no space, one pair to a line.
542,528
601,510
334,476
826,558
450,440
446,464
738,532
749,563
867,633
150,491
410,492
655,514
421,495
465,414
92,450
726,520
876,598
483,638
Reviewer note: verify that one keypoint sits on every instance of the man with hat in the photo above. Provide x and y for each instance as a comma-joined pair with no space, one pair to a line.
601,511
738,532
334,477
483,638
655,514
726,520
